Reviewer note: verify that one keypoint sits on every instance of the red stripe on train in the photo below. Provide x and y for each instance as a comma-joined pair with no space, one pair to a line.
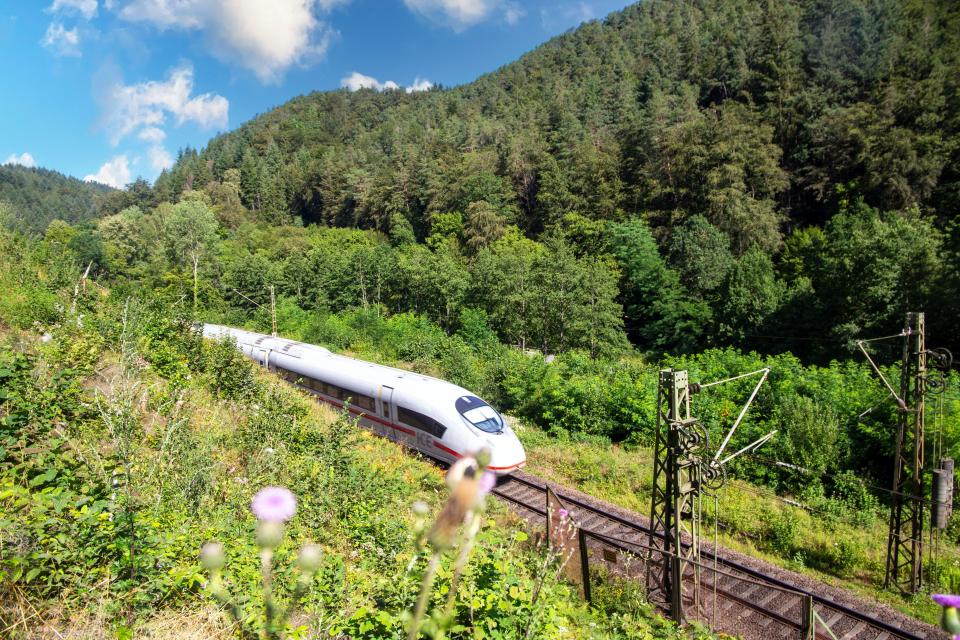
411,432
455,454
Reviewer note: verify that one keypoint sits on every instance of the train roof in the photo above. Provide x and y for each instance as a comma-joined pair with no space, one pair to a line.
301,349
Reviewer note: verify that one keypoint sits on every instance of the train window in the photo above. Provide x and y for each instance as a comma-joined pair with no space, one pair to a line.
362,401
421,422
334,391
480,414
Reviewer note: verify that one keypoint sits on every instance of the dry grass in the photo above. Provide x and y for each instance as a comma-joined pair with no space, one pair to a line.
21,620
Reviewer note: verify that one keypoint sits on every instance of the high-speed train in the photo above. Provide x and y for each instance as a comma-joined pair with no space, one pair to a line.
433,416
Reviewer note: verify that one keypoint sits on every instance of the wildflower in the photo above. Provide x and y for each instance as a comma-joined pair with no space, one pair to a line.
421,508
487,482
274,504
950,621
563,513
212,557
310,557
469,483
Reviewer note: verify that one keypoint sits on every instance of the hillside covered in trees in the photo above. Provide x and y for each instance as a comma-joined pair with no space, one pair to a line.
39,196
763,174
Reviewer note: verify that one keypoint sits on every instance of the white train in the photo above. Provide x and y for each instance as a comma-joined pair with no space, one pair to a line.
435,417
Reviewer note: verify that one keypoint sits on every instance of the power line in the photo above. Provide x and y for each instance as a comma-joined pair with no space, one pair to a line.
827,474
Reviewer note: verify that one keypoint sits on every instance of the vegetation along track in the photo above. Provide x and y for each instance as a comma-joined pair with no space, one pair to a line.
738,595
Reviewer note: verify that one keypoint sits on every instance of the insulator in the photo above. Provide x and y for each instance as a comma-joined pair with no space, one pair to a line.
946,464
713,476
941,501
940,359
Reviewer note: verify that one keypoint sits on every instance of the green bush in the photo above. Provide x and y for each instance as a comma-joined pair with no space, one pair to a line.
229,372
785,529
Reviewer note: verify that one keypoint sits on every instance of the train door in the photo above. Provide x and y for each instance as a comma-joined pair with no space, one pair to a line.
386,410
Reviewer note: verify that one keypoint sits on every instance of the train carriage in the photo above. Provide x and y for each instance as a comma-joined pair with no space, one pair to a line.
433,416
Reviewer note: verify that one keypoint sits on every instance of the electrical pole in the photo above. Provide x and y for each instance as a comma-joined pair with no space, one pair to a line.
905,541
681,474
273,311
676,487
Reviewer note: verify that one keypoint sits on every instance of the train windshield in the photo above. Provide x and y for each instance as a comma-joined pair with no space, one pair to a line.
480,414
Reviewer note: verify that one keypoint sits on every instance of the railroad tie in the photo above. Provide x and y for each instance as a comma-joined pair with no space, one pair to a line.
834,619
752,588
771,596
857,628
728,604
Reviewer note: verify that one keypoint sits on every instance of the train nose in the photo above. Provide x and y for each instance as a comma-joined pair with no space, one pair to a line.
507,455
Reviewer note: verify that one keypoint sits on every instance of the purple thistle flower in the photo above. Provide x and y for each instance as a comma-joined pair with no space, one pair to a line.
274,504
563,513
946,600
487,482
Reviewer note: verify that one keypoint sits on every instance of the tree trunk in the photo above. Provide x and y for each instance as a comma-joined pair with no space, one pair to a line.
196,263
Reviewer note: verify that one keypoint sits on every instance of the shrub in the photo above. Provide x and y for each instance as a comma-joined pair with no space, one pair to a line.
784,530
229,372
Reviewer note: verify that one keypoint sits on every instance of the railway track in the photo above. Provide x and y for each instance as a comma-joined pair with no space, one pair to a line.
733,597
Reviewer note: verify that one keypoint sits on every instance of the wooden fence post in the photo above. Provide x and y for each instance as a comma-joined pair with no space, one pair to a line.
584,563
807,627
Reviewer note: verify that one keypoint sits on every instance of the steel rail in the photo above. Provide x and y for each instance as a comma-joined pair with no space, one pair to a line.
629,548
897,632
625,546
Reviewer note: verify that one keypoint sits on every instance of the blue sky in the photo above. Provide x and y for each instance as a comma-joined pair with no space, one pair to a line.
111,89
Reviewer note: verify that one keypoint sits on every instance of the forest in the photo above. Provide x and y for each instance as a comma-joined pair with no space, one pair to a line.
770,175
40,196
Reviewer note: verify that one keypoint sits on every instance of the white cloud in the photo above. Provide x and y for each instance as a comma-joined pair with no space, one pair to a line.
147,104
115,173
86,8
512,13
462,14
420,84
152,134
160,158
24,159
566,16
61,41
356,81
458,14
265,36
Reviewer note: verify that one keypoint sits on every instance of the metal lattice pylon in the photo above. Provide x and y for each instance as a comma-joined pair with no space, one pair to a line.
905,542
681,473
675,505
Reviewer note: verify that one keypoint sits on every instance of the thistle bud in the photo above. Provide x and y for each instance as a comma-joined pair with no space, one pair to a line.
212,557
483,457
310,558
465,467
950,620
269,534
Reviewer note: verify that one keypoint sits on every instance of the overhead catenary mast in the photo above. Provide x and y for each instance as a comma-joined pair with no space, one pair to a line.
904,568
682,471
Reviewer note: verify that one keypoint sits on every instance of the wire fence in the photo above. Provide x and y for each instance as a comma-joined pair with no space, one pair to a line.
717,596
